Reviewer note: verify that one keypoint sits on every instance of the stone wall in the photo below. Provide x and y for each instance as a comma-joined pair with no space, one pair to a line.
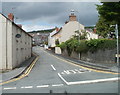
100,56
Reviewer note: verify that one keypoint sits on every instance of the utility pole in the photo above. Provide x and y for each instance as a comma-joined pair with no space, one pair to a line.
116,30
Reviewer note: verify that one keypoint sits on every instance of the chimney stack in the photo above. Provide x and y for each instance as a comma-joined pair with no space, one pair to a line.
57,29
72,17
11,17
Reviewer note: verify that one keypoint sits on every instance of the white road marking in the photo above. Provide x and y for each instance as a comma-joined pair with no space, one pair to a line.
62,73
9,88
57,85
53,67
66,71
27,87
62,78
93,81
42,86
77,71
72,71
89,81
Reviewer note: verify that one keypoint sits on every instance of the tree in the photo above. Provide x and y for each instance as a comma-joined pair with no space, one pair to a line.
103,27
108,14
80,35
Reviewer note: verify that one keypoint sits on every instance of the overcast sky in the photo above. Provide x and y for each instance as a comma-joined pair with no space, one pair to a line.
44,15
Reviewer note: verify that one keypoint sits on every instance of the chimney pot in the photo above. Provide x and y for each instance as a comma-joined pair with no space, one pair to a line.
11,17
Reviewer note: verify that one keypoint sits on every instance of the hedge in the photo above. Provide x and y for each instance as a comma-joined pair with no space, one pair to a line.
87,45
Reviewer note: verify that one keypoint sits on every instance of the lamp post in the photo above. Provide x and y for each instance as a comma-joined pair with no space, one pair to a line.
116,30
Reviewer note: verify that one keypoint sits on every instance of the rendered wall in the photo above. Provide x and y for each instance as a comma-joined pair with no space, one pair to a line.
69,29
13,51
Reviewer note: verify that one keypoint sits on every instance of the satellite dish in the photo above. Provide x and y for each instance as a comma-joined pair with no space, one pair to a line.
18,36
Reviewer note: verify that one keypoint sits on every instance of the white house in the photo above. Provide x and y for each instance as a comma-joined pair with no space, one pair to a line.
15,43
91,35
51,38
68,30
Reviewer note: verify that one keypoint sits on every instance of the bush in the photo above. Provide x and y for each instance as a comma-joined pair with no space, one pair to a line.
85,46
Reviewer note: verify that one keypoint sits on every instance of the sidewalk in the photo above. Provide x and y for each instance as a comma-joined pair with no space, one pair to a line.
104,67
17,71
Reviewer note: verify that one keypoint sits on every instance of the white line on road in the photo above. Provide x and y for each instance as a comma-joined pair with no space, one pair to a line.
42,86
53,67
9,88
62,78
93,81
89,81
57,85
27,87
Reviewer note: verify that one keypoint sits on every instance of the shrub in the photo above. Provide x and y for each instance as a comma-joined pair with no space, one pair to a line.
85,46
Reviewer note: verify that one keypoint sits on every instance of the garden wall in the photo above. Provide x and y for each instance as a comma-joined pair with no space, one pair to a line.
100,56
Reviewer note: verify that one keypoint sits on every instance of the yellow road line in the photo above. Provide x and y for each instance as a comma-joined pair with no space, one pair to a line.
24,74
101,71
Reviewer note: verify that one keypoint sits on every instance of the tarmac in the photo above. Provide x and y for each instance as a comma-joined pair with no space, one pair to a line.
97,66
19,70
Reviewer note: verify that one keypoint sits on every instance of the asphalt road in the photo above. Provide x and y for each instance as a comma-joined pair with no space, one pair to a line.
52,74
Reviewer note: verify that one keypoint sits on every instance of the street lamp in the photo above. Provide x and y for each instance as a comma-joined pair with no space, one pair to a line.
116,31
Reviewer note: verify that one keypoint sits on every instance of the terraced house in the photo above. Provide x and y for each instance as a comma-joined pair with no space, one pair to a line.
15,43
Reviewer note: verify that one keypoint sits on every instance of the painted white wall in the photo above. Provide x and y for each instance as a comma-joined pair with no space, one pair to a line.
51,39
13,50
91,35
2,42
68,30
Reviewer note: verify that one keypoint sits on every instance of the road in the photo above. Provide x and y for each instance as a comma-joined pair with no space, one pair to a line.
52,74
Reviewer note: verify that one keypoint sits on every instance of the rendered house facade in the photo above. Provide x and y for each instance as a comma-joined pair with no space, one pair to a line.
15,43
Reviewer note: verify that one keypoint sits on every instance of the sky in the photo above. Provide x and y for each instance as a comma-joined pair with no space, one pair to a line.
47,15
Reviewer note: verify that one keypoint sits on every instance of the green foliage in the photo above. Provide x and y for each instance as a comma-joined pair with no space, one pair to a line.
102,44
62,45
85,46
80,35
109,13
103,27
82,47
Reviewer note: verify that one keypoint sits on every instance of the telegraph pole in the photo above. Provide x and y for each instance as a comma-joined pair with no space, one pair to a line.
116,30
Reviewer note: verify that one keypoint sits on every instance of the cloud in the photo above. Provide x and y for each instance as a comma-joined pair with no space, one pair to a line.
52,12
29,28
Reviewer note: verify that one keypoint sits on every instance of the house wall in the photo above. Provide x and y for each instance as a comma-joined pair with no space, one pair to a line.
91,35
68,30
21,46
13,51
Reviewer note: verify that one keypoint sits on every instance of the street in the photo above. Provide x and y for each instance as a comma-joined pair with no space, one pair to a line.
52,74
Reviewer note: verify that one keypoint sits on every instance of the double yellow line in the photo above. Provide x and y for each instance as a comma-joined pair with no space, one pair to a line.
26,73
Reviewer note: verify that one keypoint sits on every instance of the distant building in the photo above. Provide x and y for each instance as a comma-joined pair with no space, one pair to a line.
40,37
51,39
15,43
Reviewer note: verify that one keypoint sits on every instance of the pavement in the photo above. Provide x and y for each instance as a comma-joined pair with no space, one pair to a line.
98,66
17,71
